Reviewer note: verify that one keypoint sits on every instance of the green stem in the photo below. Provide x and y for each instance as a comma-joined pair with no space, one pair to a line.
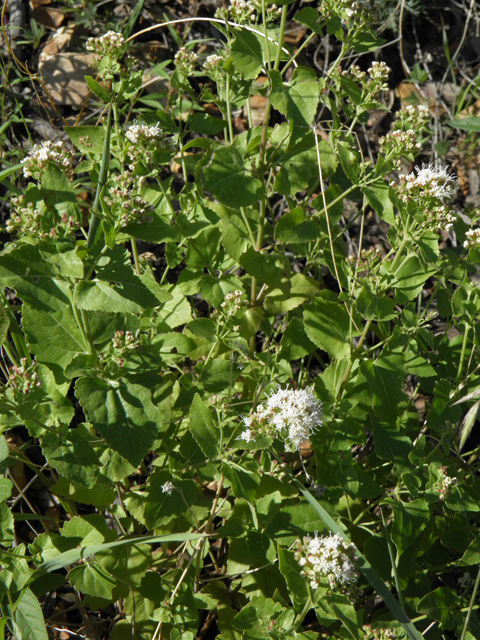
396,577
298,51
471,606
136,259
229,108
462,355
102,181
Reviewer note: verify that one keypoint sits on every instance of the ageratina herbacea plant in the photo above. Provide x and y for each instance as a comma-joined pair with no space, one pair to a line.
241,361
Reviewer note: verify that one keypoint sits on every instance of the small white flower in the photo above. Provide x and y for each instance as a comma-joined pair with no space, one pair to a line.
168,487
247,435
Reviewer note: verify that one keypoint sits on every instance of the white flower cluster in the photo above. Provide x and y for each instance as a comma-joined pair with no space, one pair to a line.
445,483
168,487
37,162
472,238
432,181
111,44
379,73
290,414
145,141
140,132
396,144
232,303
24,377
124,341
185,61
212,61
439,219
328,557
239,11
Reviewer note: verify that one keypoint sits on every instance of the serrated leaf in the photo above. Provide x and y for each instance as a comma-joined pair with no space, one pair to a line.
123,414
116,288
230,179
311,18
291,571
297,99
203,428
295,227
93,136
72,456
385,379
327,324
247,55
271,269
244,485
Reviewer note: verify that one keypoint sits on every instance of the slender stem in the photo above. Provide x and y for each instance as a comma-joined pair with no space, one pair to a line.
462,355
298,51
396,577
201,542
470,607
136,259
102,181
229,108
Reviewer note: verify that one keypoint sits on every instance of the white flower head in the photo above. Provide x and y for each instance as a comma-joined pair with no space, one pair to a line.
140,132
42,154
247,436
433,181
472,238
111,43
168,487
328,557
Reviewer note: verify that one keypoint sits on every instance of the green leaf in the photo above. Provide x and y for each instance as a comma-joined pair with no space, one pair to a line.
230,180
244,485
409,522
204,328
365,40
247,54
410,279
303,288
161,507
29,617
311,18
385,379
374,307
92,579
271,269
116,288
298,160
4,324
206,124
203,428
327,324
471,123
441,605
297,99
97,89
123,413
291,571
378,195
391,444
294,227
82,137
72,456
